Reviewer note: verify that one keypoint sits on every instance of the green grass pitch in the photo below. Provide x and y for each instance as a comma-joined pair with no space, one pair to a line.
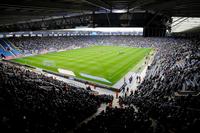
108,62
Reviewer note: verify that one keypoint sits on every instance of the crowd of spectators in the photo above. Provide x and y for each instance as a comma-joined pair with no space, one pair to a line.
37,45
32,102
167,100
175,68
116,120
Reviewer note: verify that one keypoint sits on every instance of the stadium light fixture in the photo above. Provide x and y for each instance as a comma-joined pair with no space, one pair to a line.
119,10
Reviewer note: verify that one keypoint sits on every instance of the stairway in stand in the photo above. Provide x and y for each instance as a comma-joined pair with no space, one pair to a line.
8,50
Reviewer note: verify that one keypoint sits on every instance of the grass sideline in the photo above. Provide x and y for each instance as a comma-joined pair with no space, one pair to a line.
108,62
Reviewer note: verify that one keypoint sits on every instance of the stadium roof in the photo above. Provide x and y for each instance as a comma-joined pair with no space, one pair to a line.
24,10
183,24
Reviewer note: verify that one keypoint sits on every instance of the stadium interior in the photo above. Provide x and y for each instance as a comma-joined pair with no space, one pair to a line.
100,66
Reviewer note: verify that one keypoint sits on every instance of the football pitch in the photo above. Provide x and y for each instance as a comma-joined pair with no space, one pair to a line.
102,64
